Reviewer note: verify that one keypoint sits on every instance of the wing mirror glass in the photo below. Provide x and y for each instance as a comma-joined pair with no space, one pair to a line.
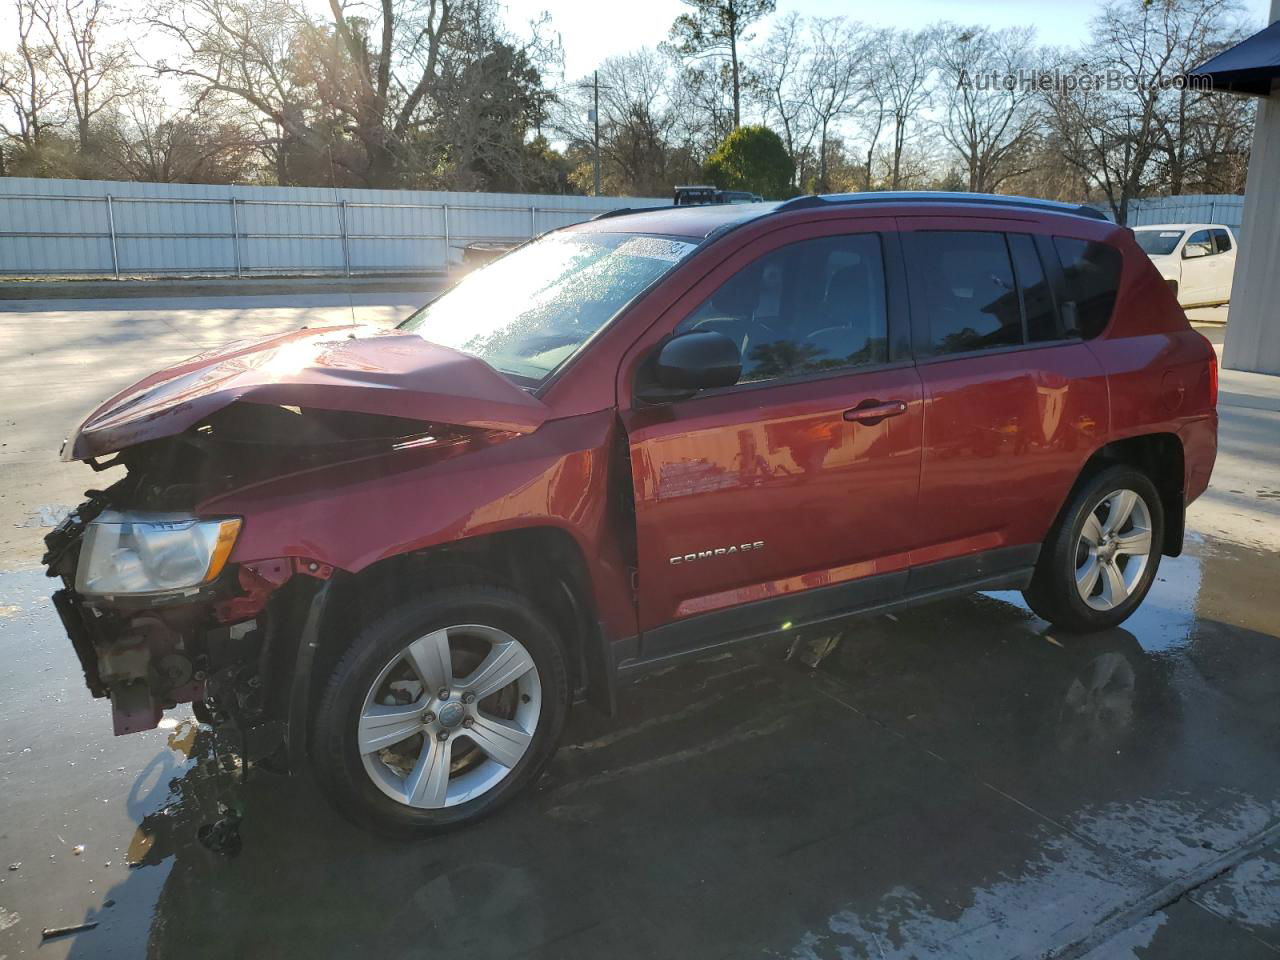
1193,250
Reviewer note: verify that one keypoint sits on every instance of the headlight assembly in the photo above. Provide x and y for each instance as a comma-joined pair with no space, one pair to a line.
152,554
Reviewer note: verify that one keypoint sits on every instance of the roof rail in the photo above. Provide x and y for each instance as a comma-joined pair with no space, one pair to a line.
624,211
927,196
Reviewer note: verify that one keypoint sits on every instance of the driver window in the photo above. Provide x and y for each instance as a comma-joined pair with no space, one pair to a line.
805,308
1201,242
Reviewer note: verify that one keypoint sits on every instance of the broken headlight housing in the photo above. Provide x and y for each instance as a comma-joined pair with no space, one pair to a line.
152,554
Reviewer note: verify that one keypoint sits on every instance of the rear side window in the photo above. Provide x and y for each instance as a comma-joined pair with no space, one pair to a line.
1222,240
1091,279
962,282
1037,298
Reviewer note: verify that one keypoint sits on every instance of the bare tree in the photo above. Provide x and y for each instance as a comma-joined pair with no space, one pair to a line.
776,80
362,90
709,101
872,114
1187,114
990,125
146,139
1113,135
93,74
440,93
1218,132
26,83
832,91
647,144
255,52
905,66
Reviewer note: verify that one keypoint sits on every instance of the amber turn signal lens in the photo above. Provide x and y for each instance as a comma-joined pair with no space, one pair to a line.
228,530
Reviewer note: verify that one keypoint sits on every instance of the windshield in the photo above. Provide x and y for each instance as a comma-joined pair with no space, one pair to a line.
1158,243
530,311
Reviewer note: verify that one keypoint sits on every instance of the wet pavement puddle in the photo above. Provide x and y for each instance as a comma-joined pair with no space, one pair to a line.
957,780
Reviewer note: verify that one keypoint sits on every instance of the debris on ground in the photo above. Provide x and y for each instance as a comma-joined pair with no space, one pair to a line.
223,835
48,933
15,866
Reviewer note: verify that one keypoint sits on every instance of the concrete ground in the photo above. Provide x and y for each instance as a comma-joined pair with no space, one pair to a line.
952,781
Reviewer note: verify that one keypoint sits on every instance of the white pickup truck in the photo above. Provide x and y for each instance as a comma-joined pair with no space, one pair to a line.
1197,259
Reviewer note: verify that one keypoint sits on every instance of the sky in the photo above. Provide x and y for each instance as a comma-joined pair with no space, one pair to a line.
592,30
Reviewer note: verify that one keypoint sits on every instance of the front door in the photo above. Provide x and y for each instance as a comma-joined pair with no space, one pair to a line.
1199,271
786,493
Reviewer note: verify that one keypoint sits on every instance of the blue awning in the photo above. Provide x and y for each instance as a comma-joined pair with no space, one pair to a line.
1248,67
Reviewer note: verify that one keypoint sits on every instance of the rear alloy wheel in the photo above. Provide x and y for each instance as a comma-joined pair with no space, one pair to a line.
441,710
1101,557
1113,550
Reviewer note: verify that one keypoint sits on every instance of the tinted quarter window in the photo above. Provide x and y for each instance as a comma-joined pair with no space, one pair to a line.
962,283
1037,298
1091,278
804,308
1222,240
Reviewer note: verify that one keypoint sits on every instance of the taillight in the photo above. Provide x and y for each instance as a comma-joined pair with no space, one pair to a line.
1213,377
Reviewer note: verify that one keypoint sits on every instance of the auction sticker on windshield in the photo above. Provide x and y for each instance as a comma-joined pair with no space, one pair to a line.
656,248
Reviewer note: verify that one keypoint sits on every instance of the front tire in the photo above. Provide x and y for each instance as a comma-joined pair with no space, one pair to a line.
1102,555
441,711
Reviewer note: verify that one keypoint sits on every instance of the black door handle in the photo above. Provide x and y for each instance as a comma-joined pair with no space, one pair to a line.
871,412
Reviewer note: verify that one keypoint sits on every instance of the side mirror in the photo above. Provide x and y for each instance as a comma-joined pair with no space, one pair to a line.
685,364
1193,250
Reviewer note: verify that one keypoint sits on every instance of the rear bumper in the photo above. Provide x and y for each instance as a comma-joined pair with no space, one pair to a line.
1199,450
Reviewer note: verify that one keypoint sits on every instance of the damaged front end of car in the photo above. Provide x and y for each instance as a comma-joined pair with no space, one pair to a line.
161,600
157,614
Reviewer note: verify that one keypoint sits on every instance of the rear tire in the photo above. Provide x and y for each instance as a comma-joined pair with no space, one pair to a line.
441,711
1102,555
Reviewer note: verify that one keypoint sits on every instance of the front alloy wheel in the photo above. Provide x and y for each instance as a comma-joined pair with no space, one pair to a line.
441,710
449,717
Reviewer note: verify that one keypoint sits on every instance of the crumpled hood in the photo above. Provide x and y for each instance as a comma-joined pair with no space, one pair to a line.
356,369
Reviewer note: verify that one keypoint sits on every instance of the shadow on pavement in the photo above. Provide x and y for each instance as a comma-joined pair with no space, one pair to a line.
956,780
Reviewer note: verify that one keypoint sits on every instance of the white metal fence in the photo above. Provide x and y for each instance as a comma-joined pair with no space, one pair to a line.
1226,209
88,228
101,228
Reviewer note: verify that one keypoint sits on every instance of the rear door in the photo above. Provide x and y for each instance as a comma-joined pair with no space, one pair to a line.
1014,400
1224,263
783,497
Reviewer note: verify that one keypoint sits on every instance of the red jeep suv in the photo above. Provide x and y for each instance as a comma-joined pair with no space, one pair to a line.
399,555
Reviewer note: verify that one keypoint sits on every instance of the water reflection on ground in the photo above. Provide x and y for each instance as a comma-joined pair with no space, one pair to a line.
956,780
